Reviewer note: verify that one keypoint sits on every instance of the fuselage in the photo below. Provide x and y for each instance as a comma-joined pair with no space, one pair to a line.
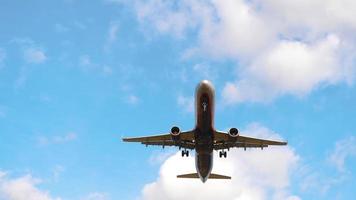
204,129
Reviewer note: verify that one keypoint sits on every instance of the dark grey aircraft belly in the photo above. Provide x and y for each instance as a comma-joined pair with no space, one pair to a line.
204,131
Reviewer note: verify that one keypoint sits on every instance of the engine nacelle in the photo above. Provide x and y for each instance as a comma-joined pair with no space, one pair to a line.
233,132
175,132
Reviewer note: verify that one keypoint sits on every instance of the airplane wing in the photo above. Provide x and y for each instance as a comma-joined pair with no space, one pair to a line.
224,141
186,140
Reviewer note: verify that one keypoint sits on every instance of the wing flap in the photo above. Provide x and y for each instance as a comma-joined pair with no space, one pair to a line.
186,135
223,141
186,145
238,145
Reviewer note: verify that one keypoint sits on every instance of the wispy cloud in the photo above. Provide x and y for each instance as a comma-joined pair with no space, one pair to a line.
57,171
34,55
186,103
2,57
111,35
60,28
113,30
58,139
85,61
321,180
3,110
32,52
96,196
345,148
132,99
87,64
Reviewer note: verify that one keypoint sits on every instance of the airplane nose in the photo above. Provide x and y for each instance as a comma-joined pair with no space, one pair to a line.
205,85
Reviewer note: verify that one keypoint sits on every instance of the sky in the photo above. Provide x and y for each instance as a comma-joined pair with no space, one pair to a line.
77,76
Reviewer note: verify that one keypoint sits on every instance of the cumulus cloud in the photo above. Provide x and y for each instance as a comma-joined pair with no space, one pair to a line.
22,188
291,67
34,55
281,47
255,174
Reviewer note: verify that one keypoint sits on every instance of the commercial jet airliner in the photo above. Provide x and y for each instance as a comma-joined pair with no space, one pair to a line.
204,138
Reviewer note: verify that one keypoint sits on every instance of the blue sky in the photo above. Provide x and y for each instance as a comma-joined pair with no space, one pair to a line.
76,76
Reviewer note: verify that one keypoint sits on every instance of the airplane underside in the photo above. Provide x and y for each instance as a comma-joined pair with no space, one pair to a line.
204,138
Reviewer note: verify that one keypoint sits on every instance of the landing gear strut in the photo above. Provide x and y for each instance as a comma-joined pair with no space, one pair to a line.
222,154
185,153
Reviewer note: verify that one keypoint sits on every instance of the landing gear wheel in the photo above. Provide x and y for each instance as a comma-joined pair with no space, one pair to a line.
185,153
222,154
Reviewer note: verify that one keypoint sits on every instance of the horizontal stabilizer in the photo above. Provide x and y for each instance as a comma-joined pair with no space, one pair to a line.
192,175
212,176
218,176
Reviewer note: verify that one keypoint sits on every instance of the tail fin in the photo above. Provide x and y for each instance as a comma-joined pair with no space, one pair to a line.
195,175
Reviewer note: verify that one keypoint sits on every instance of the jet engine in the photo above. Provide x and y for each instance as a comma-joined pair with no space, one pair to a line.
233,132
175,132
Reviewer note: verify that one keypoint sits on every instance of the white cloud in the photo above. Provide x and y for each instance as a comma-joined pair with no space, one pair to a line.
22,188
58,139
34,55
255,174
281,47
343,149
290,67
187,103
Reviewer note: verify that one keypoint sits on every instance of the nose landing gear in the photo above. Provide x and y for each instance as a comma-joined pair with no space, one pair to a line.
185,153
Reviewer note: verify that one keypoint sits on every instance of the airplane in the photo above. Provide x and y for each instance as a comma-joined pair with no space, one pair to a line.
204,138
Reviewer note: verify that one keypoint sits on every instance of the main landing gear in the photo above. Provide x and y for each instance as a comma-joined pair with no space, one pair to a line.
185,153
222,154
